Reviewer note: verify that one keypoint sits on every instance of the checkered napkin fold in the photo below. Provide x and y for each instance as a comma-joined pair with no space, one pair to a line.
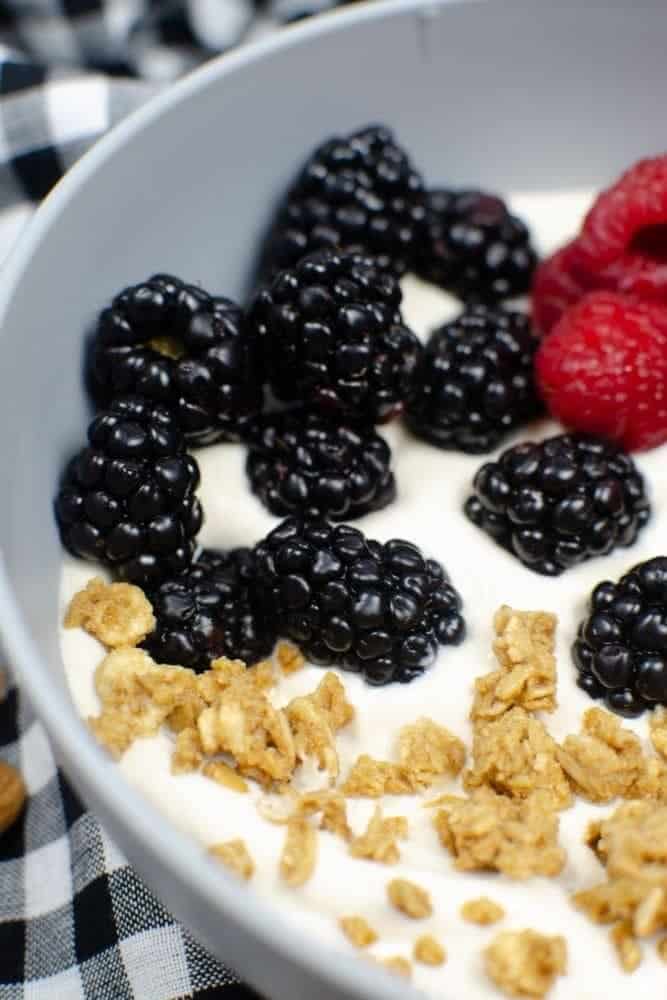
75,921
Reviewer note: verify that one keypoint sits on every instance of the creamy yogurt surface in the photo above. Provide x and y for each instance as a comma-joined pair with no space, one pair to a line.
432,486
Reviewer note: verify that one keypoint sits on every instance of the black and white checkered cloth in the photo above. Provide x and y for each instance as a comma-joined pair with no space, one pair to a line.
75,921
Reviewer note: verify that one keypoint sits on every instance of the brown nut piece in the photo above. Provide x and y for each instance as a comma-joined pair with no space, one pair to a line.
12,795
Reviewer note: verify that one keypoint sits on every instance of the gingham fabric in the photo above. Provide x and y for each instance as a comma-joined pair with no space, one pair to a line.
75,921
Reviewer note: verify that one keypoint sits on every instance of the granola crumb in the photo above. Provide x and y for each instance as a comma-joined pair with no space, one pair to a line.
314,720
398,965
626,946
632,845
428,751
126,681
187,755
482,911
371,779
489,832
657,725
525,963
661,948
332,807
358,931
515,756
290,658
429,951
606,761
235,855
13,795
225,775
524,648
378,842
409,898
118,614
299,854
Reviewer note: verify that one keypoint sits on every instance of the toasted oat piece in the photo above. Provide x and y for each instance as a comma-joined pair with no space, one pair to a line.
225,775
315,719
398,965
606,761
235,855
299,854
358,931
661,948
482,911
626,946
378,842
632,845
525,963
524,648
370,778
290,658
331,806
657,724
429,951
515,756
118,614
13,795
409,898
489,832
188,755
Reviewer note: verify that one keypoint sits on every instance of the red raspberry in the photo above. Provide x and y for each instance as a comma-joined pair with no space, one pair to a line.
603,369
557,285
627,226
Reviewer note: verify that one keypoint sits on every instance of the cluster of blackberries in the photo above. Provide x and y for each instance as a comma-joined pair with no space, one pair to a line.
302,377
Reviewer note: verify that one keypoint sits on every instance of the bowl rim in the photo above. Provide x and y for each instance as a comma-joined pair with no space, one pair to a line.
256,914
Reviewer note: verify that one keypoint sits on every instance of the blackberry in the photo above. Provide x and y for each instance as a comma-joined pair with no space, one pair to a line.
358,193
178,345
127,500
472,246
333,338
209,612
378,610
300,463
475,380
559,502
621,648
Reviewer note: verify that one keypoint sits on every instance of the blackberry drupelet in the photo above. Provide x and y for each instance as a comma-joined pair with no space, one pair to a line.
561,501
621,648
209,612
378,610
333,338
128,499
475,380
472,246
358,193
301,463
178,345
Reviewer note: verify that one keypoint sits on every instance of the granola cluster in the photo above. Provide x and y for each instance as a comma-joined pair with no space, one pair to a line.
226,726
525,963
631,844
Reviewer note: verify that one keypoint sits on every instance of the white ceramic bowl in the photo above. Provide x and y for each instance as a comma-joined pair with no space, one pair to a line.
513,95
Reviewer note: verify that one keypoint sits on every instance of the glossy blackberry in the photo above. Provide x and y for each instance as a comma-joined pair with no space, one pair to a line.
378,610
472,246
475,380
358,193
561,501
178,345
333,338
621,648
128,499
209,612
301,463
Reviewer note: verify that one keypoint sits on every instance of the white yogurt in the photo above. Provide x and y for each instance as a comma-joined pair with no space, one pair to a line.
432,486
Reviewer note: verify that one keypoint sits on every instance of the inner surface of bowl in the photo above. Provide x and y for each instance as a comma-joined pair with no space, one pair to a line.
505,95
